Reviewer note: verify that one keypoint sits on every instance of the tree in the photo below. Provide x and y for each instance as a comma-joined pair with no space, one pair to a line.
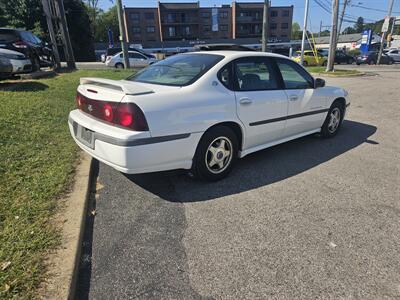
349,30
296,31
93,12
359,26
79,30
107,20
326,32
28,15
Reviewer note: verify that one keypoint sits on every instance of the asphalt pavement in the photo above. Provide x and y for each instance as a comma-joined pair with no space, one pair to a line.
311,218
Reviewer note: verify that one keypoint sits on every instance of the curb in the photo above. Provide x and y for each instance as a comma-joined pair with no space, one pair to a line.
38,74
64,262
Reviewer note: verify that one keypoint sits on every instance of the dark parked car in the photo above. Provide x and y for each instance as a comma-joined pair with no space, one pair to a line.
29,44
371,58
343,58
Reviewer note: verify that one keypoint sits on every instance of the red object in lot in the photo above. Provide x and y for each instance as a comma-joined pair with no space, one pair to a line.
126,115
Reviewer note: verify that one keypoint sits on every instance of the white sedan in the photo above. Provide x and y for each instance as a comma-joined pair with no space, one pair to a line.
201,111
136,60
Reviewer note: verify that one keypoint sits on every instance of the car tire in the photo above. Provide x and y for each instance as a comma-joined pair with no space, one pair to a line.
372,62
350,62
216,154
119,65
333,121
35,63
390,62
325,63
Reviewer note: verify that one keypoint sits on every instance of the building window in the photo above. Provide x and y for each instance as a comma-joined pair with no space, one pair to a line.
171,31
258,16
223,14
274,13
171,18
151,29
206,28
134,16
284,25
273,26
186,30
149,16
245,14
136,29
223,27
284,35
285,13
205,14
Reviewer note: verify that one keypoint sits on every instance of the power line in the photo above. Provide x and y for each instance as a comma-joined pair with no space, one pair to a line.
373,9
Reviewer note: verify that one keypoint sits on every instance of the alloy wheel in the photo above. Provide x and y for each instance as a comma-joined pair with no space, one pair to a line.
219,155
334,120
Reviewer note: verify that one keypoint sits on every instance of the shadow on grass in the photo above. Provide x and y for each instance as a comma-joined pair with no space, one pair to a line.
259,169
23,86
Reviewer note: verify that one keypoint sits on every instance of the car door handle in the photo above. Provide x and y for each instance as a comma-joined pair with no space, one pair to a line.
245,101
293,98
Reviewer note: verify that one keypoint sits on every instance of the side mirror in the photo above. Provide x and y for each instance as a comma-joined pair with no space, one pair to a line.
319,82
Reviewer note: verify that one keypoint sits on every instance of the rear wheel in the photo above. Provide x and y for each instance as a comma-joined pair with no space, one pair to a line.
216,154
333,120
119,65
371,62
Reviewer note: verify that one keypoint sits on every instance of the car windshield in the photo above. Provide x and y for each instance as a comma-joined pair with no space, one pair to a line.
177,70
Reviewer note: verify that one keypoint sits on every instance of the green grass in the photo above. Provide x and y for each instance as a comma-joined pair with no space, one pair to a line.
321,70
37,157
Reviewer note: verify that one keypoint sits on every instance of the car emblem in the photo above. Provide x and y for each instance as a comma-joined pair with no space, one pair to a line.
90,107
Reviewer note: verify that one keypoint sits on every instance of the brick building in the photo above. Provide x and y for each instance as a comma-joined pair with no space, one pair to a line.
189,21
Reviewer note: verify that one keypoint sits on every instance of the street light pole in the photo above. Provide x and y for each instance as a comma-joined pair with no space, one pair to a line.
390,7
303,39
122,35
265,27
333,37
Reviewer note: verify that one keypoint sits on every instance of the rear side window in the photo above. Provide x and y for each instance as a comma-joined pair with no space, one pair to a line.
136,55
254,74
225,76
294,76
8,35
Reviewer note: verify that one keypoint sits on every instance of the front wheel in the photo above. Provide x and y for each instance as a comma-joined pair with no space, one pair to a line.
333,120
216,154
119,65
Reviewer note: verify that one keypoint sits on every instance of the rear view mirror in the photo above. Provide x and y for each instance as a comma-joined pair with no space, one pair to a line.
319,82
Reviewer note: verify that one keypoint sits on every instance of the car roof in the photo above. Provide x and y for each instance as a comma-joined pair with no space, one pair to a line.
236,54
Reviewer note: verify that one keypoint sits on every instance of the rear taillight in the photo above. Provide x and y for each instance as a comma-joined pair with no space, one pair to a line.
20,44
126,115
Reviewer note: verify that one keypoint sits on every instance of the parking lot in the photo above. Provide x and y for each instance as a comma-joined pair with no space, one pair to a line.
311,218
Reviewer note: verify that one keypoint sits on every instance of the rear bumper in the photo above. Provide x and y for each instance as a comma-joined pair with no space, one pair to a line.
135,152
21,65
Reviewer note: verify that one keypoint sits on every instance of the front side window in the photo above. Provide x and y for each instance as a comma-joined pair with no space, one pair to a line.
294,76
254,74
177,70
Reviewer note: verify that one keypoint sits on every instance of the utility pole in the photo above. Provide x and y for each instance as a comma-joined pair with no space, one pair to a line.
65,34
122,35
384,33
333,37
303,39
53,40
346,2
265,27
320,29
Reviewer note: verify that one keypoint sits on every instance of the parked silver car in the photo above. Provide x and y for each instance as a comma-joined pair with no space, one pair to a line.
393,53
20,63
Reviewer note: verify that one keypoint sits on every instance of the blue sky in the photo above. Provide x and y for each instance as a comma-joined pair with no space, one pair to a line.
376,9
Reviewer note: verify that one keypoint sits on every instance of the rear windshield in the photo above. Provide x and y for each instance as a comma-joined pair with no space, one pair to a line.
7,35
177,70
